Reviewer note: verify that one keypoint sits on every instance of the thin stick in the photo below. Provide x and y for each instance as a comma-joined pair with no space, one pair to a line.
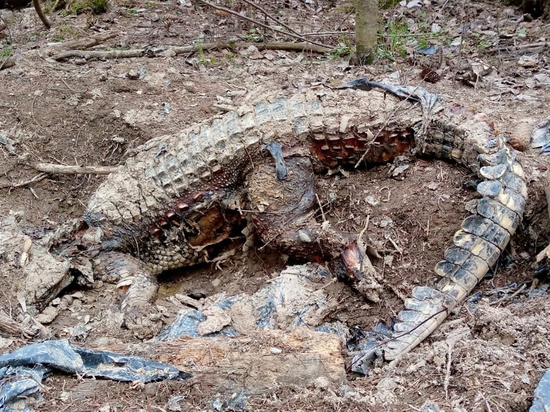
71,170
37,178
290,29
506,297
321,207
261,24
328,33
448,371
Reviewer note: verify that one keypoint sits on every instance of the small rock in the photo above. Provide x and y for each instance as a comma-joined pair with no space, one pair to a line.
216,282
173,403
133,75
322,382
216,320
217,404
80,331
429,406
190,87
528,61
386,222
399,170
47,316
371,200
56,301
68,300
198,294
432,186
276,351
188,301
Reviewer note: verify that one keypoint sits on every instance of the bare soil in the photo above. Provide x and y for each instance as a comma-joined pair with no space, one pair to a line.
489,356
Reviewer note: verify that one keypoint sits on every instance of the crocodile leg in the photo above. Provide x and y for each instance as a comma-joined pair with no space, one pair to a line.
139,287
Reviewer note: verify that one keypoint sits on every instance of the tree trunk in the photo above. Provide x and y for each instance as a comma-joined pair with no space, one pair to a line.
366,30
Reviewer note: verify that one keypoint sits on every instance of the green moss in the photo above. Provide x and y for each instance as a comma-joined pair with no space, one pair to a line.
96,6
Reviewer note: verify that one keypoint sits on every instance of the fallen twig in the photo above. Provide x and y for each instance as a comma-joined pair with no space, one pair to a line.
81,44
290,29
71,170
89,55
116,54
37,178
294,34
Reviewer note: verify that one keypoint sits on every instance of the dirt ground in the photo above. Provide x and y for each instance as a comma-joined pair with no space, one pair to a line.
488,356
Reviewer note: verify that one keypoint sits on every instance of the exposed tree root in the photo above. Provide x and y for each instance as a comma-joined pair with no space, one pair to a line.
36,4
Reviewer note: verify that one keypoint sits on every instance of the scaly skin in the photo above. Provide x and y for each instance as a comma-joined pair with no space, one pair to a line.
176,202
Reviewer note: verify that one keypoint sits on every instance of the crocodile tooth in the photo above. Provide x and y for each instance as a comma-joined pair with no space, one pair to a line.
486,229
498,213
478,246
493,172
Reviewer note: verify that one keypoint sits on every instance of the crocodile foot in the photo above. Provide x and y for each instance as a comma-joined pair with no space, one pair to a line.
138,287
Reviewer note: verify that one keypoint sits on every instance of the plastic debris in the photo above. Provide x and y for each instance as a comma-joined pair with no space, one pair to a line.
287,302
541,137
542,395
22,371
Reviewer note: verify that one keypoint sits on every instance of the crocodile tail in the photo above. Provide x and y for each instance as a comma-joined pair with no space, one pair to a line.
482,237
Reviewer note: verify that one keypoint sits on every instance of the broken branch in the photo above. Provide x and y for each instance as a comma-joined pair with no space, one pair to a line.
71,170
116,54
37,178
81,44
